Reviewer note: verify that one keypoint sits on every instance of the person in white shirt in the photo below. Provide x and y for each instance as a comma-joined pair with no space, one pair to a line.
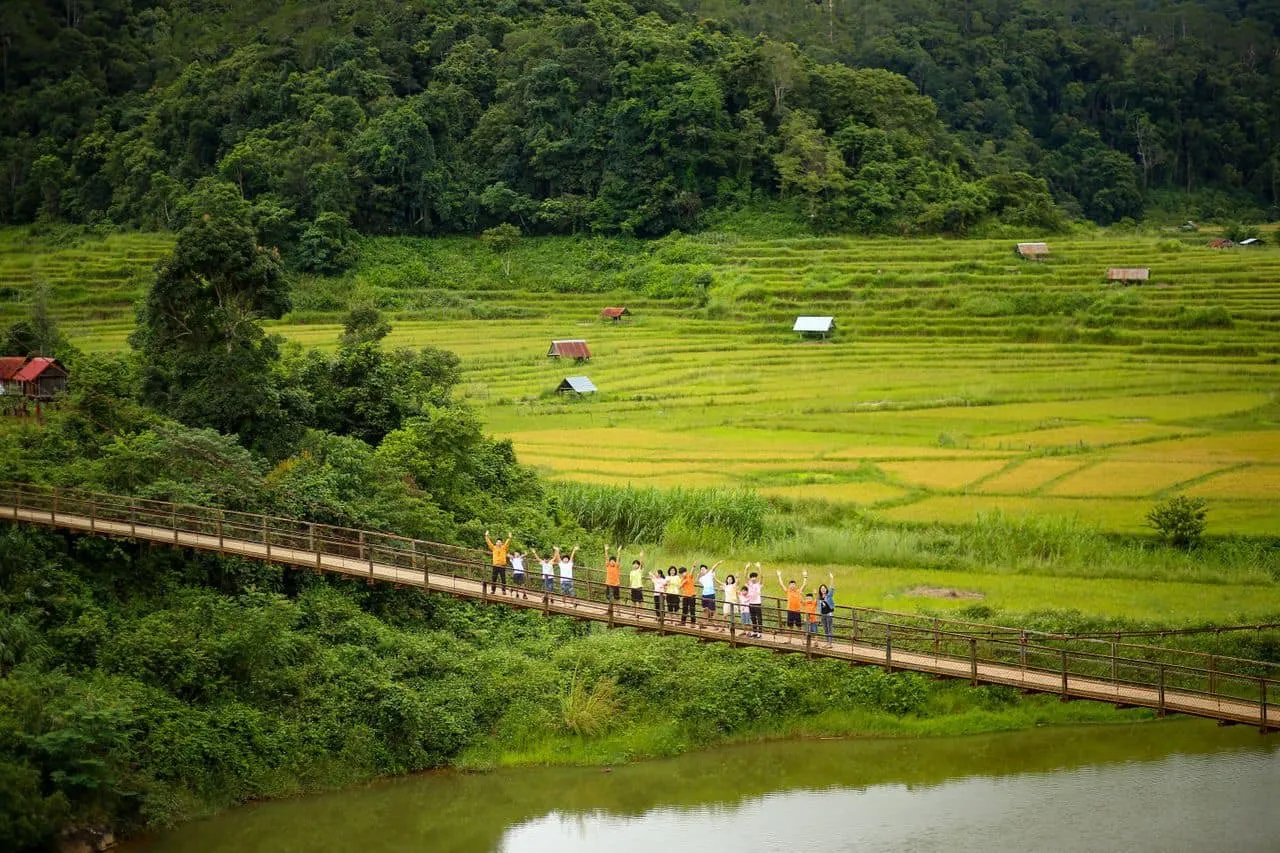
707,584
566,570
548,566
755,601
517,574
730,598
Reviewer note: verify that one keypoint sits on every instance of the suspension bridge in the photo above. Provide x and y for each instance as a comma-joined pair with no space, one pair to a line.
1168,680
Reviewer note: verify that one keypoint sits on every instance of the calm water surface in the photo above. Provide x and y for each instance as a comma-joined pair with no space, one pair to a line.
1178,786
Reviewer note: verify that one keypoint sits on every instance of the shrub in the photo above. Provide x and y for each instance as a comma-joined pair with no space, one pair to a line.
1180,521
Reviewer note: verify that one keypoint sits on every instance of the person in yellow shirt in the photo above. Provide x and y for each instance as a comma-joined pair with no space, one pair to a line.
795,599
499,551
636,580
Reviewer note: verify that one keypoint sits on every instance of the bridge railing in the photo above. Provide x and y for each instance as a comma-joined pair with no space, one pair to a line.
954,646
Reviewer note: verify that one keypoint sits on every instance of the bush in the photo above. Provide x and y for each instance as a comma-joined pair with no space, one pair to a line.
1179,521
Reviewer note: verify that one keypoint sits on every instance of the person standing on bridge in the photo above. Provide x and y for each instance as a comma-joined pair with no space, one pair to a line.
827,607
730,599
659,592
612,576
517,574
636,581
755,601
548,566
499,550
673,591
566,571
795,600
689,608
707,582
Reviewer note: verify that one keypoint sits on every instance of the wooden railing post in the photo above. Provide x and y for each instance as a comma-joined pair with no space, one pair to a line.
266,536
1022,649
133,518
222,544
888,647
808,642
1262,705
1160,706
1115,665
609,599
733,623
93,516
1064,674
973,661
937,638
662,619
53,508
853,616
371,549
777,604
1213,674
173,522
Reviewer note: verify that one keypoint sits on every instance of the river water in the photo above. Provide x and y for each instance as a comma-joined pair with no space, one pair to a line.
1183,785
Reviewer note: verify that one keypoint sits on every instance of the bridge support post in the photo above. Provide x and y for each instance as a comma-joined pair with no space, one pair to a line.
662,620
1160,706
370,563
808,642
1065,697
133,519
173,522
53,509
937,638
973,661
266,537
1022,649
610,606
93,516
888,648
853,617
1262,705
222,543
1213,673
1115,665
733,627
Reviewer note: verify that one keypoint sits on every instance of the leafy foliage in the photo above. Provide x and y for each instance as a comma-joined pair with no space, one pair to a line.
1180,520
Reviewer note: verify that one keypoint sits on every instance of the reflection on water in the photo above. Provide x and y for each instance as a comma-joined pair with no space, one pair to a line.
1184,785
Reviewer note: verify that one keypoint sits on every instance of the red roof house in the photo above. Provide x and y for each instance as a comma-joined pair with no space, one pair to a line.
575,349
42,378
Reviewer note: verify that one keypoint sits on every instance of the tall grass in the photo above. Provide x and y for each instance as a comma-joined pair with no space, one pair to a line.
1055,546
651,515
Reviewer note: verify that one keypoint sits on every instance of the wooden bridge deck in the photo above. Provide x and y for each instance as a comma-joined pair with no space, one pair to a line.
1225,689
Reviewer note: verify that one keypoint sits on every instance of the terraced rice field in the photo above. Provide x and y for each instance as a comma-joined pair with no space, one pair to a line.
961,379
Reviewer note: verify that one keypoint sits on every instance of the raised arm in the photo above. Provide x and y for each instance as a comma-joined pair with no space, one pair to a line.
781,582
804,580
534,552
573,553
487,540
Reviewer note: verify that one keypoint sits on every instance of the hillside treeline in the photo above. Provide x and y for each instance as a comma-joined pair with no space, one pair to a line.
628,117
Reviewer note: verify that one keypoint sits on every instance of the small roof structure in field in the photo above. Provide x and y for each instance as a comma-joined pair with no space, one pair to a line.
1221,243
576,385
815,325
1128,274
1252,241
615,314
1035,251
574,348
10,365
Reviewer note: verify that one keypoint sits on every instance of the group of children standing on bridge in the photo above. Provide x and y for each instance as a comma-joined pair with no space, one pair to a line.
677,590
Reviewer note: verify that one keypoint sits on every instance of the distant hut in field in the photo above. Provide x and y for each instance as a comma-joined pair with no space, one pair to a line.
1221,243
9,367
576,385
615,314
815,327
1033,251
1128,274
42,378
574,348
1251,241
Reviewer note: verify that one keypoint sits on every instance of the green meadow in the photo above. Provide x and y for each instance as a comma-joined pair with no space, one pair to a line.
963,383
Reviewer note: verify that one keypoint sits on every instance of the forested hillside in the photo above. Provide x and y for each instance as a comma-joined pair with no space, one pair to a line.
635,117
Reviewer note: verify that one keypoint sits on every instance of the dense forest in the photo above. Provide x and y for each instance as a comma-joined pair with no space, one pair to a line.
636,117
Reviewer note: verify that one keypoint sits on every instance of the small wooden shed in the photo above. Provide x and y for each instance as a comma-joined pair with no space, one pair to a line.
615,314
574,348
815,327
576,385
1033,251
42,378
1128,274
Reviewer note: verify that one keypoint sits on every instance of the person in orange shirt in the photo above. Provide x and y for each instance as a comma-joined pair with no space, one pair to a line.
689,604
811,612
612,575
499,550
795,599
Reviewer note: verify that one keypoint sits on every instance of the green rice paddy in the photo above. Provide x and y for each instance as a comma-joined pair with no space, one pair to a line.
961,379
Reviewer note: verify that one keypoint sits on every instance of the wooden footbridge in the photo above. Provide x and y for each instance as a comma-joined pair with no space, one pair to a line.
1230,690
